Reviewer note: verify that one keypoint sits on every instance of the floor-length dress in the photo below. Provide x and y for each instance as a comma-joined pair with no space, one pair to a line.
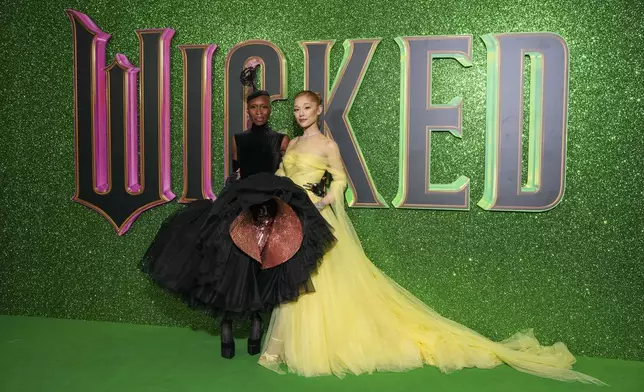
359,320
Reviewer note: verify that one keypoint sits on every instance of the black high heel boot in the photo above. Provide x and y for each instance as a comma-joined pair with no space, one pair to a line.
255,336
227,339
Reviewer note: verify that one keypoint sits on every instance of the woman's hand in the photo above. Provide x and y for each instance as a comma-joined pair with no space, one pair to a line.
315,188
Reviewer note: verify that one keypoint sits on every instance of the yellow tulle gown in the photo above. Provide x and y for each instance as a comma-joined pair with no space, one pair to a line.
358,320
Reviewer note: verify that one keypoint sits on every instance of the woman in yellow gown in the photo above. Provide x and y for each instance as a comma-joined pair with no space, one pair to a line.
358,320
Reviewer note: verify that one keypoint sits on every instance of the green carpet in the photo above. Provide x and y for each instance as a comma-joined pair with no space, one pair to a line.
41,354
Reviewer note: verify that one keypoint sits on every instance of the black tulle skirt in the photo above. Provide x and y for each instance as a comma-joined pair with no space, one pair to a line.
194,256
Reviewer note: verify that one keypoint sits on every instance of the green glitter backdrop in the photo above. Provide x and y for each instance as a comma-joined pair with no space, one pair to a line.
574,273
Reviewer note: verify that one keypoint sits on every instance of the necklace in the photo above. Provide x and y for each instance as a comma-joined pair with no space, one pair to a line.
313,134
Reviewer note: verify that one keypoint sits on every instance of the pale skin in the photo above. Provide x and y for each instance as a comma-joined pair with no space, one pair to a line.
307,113
259,111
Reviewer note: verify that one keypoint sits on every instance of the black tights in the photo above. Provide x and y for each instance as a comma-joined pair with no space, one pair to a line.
255,327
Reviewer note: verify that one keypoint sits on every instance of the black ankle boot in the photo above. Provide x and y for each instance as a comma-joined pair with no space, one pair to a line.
227,339
255,336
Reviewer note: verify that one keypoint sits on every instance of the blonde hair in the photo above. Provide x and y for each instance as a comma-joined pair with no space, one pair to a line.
311,94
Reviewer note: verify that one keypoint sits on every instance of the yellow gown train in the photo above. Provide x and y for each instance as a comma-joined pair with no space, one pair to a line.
359,320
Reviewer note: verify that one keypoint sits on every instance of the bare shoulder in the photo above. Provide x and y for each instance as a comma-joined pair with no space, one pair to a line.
330,147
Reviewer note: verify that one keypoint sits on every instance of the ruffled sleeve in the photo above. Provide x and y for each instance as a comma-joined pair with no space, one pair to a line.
335,196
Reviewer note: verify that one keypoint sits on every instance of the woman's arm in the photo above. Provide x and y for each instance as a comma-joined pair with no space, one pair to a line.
339,177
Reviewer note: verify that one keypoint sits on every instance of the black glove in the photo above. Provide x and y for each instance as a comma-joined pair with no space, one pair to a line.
320,187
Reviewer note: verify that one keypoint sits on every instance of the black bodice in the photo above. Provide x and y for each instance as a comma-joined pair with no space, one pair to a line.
258,150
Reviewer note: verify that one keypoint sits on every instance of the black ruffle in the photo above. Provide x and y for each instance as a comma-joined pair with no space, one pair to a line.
194,256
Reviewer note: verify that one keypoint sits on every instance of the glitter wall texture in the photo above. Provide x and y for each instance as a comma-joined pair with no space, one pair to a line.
574,273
